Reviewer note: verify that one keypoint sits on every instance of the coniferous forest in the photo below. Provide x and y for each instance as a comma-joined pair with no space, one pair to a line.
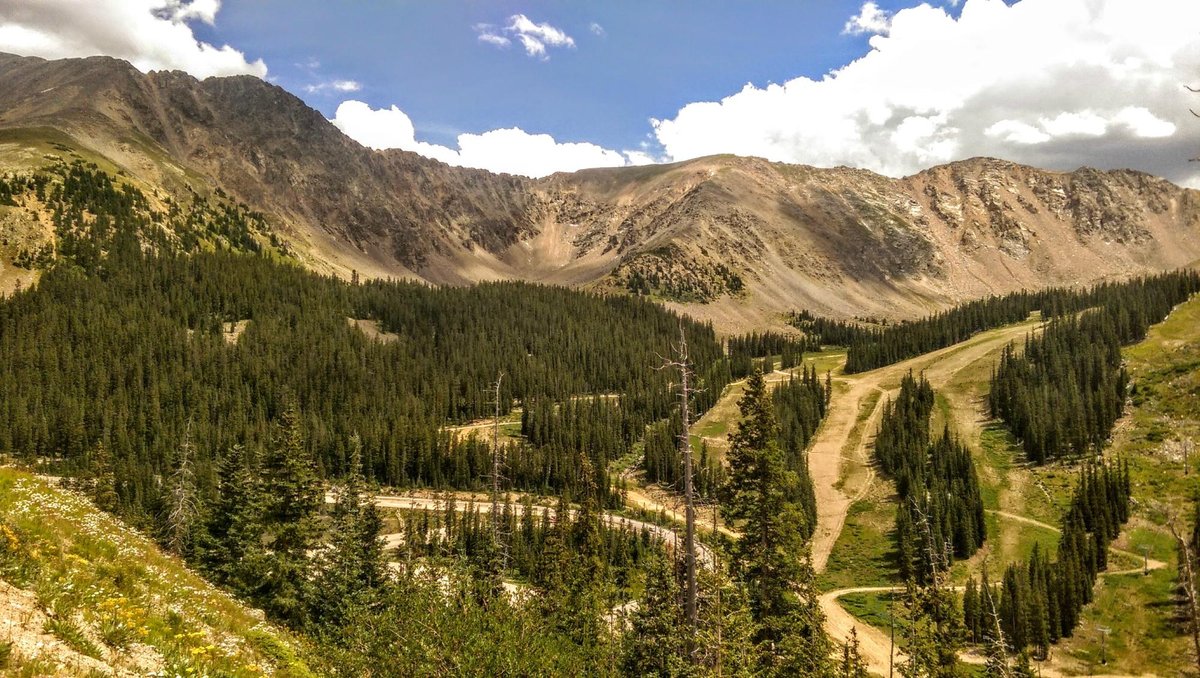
1064,392
1142,300
1039,601
941,509
174,364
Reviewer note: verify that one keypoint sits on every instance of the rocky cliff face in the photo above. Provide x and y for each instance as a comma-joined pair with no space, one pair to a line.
732,239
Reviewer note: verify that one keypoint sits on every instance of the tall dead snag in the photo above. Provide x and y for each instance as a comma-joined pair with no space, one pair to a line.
683,364
501,553
1187,573
183,510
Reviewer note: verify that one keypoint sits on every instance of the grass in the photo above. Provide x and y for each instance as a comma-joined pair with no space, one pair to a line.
1143,635
99,587
864,554
1139,610
875,609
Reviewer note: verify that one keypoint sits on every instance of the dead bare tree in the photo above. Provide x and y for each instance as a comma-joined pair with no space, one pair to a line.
497,469
182,511
997,664
1188,567
683,364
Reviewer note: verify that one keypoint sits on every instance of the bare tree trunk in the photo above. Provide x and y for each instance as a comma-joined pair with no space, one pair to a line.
685,449
1186,561
496,463
183,510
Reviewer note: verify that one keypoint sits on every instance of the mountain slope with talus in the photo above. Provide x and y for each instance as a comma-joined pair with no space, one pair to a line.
734,240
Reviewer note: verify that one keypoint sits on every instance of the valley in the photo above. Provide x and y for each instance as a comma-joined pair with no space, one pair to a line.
250,373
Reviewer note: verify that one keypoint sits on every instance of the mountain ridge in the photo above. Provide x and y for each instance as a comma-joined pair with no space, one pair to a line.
730,239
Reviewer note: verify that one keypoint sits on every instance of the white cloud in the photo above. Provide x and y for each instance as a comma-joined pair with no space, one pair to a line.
1052,83
597,30
870,19
1142,123
1075,124
1017,132
493,39
535,38
509,150
150,34
334,86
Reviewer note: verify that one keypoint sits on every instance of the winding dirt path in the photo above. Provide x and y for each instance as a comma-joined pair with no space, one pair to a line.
422,502
875,645
829,452
833,494
841,469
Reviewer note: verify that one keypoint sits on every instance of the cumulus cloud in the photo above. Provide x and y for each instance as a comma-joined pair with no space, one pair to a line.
535,38
150,34
511,150
597,30
870,19
1052,83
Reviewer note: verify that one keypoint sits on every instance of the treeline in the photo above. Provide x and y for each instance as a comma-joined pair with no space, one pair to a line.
826,331
790,348
870,348
940,517
1039,601
1064,392
800,406
89,210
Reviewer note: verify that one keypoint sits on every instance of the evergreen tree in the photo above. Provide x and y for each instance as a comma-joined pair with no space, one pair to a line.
293,502
655,643
104,478
351,569
771,553
232,551
852,664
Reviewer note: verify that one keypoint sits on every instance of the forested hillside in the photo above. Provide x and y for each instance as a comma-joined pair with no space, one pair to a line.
211,392
126,344
1062,395
1137,302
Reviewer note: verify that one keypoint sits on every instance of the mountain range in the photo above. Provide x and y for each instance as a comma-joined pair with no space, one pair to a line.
737,241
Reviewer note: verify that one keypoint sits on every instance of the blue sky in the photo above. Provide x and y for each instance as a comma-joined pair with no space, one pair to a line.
426,58
533,86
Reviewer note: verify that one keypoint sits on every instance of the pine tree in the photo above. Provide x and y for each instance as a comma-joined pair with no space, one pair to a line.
852,664
294,499
104,478
654,645
351,569
771,553
232,549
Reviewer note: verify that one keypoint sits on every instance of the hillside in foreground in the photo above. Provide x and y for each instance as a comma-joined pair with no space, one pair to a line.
82,594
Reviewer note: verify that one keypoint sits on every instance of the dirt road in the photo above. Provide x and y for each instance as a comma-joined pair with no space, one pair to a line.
841,469
835,448
420,502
